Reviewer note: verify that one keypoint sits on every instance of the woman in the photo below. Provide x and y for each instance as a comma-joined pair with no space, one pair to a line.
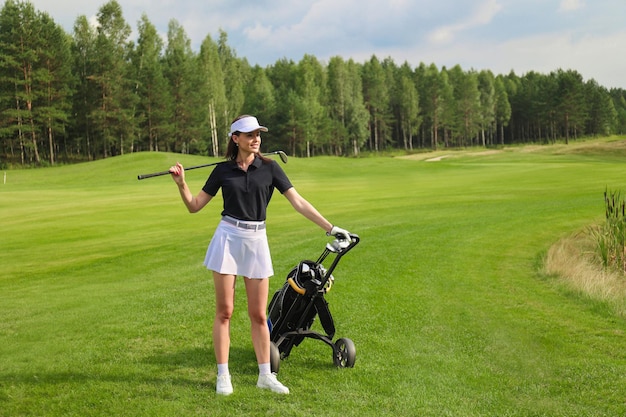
239,245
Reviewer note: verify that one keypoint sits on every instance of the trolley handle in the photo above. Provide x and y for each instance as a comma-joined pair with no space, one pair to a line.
341,246
335,247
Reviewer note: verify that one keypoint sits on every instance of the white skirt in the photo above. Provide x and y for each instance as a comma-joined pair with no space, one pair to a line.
237,251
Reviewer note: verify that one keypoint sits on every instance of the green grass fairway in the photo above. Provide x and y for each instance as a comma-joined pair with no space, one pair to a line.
107,310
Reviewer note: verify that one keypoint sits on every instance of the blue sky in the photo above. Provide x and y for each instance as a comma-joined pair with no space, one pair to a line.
500,35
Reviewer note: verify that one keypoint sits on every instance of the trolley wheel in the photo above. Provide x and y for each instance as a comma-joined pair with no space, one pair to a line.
345,353
274,357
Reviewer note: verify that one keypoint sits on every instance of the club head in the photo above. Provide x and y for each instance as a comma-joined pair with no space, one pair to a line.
283,156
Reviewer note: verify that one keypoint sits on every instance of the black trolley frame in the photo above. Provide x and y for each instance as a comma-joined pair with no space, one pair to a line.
291,324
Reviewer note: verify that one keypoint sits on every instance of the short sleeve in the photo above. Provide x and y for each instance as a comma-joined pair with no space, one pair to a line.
280,180
214,182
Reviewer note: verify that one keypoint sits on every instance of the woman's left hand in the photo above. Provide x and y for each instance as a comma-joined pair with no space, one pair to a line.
340,233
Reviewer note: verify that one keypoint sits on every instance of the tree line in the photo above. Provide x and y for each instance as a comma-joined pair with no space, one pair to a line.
96,93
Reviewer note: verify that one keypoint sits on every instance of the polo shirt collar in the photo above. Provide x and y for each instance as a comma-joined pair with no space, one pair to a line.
256,163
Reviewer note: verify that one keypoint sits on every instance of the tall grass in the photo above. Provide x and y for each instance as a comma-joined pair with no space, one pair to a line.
593,262
610,235
575,260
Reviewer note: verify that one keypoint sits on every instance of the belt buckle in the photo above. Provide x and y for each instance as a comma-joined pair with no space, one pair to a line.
246,226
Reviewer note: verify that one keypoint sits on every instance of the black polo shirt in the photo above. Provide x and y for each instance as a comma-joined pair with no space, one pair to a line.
247,193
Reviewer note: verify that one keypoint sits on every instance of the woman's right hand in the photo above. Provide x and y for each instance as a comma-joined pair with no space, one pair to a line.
178,173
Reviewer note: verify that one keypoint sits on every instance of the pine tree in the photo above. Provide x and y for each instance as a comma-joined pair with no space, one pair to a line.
376,97
311,80
113,118
260,98
21,76
179,71
151,90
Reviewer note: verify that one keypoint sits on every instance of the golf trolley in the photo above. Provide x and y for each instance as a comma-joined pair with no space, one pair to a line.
293,308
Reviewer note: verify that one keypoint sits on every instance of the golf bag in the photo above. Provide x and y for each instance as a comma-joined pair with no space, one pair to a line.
294,307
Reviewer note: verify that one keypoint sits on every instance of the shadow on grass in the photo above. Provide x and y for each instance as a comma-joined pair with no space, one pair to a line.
161,368
311,354
189,358
40,379
241,359
157,368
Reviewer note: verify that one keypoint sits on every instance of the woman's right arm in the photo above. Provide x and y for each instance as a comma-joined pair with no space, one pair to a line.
193,204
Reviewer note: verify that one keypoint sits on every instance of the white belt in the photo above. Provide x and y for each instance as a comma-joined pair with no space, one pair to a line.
243,224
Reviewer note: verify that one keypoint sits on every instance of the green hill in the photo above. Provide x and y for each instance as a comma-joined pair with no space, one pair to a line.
107,309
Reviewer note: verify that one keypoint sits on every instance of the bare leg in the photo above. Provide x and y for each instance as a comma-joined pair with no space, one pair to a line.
257,292
224,305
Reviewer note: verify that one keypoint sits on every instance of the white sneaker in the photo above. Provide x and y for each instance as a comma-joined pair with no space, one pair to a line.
270,382
224,387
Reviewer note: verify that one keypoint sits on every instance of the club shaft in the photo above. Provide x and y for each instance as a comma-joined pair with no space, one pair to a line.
158,174
282,155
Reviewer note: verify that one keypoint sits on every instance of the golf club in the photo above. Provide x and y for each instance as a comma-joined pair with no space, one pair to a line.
283,157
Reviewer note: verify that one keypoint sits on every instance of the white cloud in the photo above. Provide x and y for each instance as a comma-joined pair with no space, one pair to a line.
482,15
571,5
593,56
500,35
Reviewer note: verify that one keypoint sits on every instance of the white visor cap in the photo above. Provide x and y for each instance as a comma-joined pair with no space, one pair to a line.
245,125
